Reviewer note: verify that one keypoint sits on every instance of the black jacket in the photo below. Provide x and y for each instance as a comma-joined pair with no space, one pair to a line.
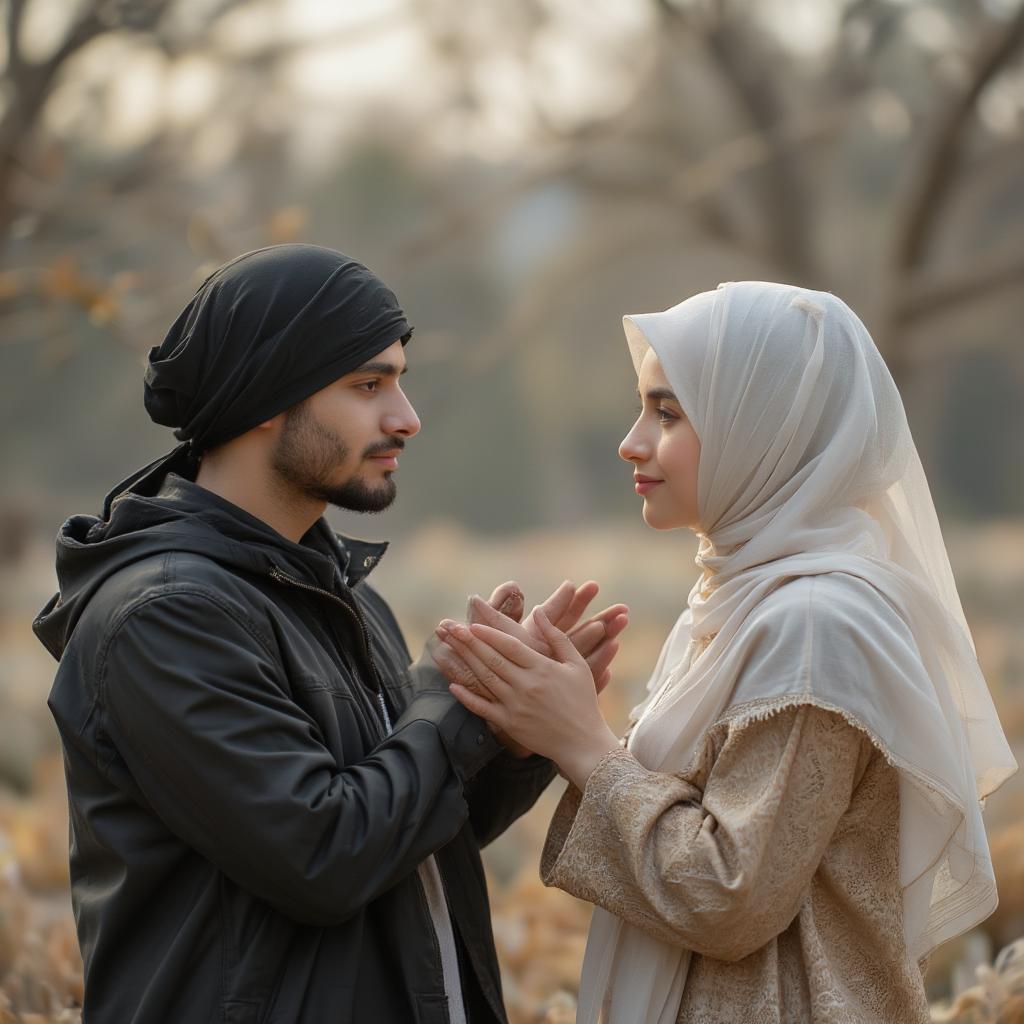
244,834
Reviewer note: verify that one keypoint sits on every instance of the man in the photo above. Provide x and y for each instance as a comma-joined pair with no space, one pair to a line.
272,818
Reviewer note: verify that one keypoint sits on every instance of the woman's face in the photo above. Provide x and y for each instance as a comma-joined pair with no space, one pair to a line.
665,451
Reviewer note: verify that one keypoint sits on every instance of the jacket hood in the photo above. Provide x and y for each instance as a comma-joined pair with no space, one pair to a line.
160,508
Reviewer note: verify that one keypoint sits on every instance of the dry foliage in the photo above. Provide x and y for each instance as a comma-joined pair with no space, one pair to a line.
997,998
540,933
40,965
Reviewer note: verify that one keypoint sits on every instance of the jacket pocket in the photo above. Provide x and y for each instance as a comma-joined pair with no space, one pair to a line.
430,1008
256,944
346,723
242,1011
331,1004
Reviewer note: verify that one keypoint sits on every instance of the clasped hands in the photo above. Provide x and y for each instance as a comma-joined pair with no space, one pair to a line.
536,682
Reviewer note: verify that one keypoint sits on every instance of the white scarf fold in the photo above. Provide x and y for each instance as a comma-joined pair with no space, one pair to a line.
808,469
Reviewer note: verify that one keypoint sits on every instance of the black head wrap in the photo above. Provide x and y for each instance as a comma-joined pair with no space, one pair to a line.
263,332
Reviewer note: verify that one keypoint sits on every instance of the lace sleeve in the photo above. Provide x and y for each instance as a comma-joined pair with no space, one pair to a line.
721,870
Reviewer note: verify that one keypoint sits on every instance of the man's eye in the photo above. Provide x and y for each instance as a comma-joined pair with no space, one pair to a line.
369,385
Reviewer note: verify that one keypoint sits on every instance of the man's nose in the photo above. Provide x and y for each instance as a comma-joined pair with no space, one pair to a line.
402,419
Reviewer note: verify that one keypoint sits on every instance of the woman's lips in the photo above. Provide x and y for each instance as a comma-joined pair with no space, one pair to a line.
645,484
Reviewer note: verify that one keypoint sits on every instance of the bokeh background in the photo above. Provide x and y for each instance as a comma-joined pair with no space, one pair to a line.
522,173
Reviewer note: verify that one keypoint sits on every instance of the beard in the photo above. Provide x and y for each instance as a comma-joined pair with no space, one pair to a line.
308,454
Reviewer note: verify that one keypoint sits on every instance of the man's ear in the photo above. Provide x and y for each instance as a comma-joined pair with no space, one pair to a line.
274,423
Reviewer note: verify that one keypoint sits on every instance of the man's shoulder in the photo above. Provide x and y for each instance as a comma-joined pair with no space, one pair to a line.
169,576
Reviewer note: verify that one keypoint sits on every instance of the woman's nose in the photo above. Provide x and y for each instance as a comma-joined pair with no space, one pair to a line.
633,448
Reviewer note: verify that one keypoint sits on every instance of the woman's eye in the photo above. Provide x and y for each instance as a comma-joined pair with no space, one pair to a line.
666,415
369,385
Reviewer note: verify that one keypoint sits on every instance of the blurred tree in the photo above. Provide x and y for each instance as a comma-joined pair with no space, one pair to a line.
29,77
526,173
736,119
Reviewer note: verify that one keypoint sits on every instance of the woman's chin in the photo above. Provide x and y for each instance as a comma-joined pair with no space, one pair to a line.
659,520
655,520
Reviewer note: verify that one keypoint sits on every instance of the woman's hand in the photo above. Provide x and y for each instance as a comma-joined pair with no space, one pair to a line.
547,704
595,639
506,600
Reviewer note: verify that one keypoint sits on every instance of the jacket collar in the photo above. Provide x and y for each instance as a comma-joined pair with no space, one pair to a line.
160,509
357,558
323,554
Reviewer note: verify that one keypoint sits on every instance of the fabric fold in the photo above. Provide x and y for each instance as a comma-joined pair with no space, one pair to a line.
825,580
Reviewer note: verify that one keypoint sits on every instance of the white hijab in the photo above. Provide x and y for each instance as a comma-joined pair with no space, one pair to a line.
807,467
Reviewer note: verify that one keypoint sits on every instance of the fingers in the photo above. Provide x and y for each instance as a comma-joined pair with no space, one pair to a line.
615,624
488,665
586,637
606,625
577,606
605,679
558,603
481,611
508,600
457,671
607,616
489,712
561,646
566,604
600,660
503,653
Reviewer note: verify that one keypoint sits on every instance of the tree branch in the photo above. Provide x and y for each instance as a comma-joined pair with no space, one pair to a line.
782,201
88,27
928,294
15,11
579,264
936,168
688,186
908,294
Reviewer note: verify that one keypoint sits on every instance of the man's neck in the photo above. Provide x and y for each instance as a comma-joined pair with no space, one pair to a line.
291,515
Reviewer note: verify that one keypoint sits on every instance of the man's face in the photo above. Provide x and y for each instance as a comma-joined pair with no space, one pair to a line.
341,444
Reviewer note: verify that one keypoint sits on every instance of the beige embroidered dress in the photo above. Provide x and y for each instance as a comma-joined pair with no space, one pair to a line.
774,857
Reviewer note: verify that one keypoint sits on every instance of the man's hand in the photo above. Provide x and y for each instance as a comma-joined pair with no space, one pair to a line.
595,639
546,703
508,600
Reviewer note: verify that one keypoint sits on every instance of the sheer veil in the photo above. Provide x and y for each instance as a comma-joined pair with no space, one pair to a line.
808,469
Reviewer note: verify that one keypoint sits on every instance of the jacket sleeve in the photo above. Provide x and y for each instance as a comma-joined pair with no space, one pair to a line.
504,791
196,705
507,787
723,871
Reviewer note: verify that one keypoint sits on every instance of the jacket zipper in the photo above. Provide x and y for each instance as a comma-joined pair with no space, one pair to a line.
280,576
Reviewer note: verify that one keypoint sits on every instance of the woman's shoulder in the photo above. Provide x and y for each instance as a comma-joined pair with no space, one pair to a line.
833,625
830,644
834,601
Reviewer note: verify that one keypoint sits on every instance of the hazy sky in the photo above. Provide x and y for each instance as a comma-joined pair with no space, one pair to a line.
353,60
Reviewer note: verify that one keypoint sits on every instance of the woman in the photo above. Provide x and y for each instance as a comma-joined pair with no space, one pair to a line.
793,822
